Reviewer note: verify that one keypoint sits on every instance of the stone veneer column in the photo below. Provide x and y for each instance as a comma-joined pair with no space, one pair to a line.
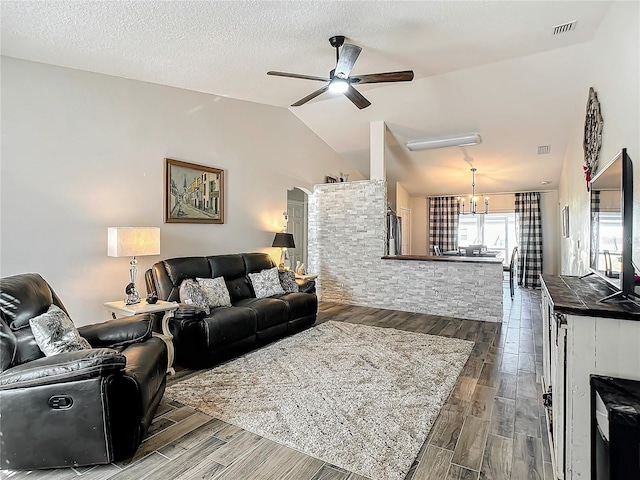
347,234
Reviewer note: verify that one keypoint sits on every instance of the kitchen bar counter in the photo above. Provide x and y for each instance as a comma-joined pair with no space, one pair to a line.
451,258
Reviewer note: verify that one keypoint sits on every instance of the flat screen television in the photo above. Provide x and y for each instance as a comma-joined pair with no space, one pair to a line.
612,223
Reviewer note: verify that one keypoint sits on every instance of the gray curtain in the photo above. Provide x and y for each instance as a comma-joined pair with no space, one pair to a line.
443,222
529,231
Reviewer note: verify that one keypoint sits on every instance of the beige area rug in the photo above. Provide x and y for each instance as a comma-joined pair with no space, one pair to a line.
362,398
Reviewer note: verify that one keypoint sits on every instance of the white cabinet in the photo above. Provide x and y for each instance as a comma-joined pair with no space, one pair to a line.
575,346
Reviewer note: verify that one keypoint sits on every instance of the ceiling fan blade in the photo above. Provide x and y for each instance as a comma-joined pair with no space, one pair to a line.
403,76
348,56
298,75
357,98
311,96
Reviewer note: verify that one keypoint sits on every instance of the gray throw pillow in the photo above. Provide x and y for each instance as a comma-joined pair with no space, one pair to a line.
55,333
191,293
216,291
288,281
266,283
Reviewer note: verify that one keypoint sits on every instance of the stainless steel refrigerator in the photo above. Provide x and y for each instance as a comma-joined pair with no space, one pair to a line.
394,233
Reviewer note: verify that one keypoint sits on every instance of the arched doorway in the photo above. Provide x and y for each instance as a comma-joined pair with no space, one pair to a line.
297,208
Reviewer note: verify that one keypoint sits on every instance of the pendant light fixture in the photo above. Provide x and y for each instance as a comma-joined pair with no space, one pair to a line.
473,200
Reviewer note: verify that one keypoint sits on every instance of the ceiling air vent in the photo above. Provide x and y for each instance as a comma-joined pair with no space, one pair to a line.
544,149
564,28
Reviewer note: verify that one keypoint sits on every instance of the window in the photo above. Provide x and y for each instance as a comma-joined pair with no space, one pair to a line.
495,230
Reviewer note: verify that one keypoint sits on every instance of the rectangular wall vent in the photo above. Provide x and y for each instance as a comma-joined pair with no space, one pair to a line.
544,149
564,28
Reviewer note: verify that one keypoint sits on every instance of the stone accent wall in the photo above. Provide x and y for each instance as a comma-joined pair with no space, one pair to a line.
347,235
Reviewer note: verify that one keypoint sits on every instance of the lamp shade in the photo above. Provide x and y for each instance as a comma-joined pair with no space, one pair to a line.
283,240
133,241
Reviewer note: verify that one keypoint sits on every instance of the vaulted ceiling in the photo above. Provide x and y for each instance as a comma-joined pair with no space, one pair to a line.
488,67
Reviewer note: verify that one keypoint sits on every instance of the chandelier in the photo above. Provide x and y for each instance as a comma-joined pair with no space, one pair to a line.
473,200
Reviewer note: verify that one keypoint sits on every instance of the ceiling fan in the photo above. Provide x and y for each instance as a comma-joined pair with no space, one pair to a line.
340,80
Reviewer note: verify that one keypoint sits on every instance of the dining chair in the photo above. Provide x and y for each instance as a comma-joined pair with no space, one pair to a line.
608,266
511,268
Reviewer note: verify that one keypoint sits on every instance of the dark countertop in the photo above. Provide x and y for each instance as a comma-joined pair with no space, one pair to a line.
579,296
429,258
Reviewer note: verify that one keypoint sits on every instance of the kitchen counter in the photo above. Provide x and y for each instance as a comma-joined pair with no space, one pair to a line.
452,258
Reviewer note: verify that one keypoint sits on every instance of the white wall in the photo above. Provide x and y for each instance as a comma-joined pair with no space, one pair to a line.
82,152
613,71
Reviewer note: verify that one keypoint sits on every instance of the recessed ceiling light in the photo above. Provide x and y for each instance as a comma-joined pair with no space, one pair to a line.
545,182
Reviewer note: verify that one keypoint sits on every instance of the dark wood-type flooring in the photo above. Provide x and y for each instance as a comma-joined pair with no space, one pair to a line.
491,427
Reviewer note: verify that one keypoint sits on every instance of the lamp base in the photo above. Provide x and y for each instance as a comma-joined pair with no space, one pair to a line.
284,264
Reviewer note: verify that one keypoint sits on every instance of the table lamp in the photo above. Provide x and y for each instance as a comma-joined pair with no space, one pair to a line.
133,242
284,241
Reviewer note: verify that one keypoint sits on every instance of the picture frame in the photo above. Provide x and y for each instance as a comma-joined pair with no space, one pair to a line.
565,221
330,179
192,193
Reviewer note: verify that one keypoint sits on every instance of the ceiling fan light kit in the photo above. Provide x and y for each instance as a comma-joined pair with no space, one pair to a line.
457,141
340,79
338,85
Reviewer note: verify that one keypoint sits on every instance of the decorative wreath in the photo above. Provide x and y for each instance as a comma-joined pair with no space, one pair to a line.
592,136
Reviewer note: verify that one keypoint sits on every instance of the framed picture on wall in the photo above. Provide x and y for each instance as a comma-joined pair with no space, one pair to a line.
565,221
192,193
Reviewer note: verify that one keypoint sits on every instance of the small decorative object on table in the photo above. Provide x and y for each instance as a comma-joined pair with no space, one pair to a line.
133,296
330,179
344,177
300,268
152,298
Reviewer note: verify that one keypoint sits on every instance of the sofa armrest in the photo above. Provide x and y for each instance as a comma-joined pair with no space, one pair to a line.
306,286
119,332
63,368
189,312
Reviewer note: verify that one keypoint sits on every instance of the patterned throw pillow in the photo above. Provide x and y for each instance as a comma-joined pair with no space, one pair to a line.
266,283
55,333
192,293
216,292
288,281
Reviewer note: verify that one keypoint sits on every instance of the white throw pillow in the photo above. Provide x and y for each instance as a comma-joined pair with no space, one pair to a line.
266,283
55,333
191,293
216,291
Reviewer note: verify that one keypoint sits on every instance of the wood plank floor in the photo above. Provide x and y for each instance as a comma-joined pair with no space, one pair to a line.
491,427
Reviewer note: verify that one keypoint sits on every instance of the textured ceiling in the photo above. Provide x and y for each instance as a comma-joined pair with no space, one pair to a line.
488,67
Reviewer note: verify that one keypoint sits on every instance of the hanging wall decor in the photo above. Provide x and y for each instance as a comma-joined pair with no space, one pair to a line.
193,193
592,136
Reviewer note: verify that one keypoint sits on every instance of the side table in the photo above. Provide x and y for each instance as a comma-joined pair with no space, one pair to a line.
119,308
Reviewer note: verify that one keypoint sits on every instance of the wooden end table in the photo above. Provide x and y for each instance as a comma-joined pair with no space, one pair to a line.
119,308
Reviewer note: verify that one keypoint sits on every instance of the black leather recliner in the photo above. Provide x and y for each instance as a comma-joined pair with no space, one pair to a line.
78,408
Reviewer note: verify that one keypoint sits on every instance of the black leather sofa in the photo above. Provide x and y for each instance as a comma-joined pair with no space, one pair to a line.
203,340
76,408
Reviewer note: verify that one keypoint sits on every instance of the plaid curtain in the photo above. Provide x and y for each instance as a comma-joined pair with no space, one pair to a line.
595,227
443,222
529,230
